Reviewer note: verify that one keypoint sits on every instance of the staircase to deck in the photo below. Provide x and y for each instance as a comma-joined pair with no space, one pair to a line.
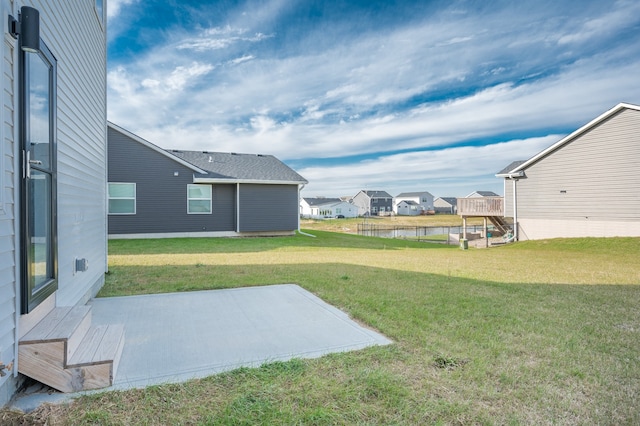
500,224
69,354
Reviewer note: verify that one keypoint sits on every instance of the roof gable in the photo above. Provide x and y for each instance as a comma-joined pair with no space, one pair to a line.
574,135
154,147
451,200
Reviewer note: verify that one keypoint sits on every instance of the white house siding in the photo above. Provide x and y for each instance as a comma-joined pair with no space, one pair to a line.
71,30
77,39
424,199
8,273
586,186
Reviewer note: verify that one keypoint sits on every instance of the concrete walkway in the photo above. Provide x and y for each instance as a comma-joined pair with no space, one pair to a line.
180,336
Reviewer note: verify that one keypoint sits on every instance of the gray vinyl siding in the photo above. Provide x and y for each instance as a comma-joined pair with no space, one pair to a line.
81,152
8,270
508,197
161,197
268,207
362,200
81,143
598,171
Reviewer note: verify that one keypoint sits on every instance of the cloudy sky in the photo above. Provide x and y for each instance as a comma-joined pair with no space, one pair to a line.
398,95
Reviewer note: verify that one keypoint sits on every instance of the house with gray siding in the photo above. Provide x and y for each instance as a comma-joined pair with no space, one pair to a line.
53,235
408,208
584,185
373,203
424,201
447,205
156,193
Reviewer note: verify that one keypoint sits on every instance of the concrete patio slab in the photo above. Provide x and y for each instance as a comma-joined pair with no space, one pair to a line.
180,336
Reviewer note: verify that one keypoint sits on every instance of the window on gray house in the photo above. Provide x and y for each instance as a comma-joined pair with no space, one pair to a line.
199,199
122,198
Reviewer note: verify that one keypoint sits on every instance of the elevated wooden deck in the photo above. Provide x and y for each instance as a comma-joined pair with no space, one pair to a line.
489,208
481,207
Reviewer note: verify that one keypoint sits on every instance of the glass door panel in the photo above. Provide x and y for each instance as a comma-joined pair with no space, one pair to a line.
40,253
38,79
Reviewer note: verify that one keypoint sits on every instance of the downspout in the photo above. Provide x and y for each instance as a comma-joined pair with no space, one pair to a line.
300,188
515,210
238,207
513,177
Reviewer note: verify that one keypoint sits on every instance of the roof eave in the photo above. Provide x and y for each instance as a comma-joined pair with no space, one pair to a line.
511,175
197,179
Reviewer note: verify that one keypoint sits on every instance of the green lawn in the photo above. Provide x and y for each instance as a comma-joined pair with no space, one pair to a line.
530,333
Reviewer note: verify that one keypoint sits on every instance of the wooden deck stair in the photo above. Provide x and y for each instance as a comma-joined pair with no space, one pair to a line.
500,224
67,353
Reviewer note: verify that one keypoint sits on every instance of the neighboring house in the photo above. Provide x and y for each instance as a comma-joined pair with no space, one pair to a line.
447,205
310,207
155,193
373,203
476,194
584,185
424,200
53,236
408,208
319,208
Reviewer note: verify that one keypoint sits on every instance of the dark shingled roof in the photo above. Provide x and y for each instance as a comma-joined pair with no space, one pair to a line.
232,166
378,194
451,200
409,202
510,167
487,194
321,201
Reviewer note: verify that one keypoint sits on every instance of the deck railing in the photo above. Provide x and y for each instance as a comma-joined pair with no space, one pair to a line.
481,206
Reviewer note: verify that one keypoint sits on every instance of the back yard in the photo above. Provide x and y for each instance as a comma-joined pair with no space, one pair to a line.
531,333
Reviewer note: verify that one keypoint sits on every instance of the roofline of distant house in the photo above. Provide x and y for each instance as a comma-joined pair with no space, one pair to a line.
154,147
568,138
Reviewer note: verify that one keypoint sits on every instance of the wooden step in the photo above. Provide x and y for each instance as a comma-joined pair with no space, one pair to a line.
65,352
101,344
64,324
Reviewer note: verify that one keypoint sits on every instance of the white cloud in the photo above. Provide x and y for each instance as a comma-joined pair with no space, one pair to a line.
451,78
473,168
114,6
621,15
220,38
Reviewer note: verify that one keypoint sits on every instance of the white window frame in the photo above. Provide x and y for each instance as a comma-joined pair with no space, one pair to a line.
210,198
135,198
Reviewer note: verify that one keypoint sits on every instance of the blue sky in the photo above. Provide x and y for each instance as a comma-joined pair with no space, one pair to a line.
398,96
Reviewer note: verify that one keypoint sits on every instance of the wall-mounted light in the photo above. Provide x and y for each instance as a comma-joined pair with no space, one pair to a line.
27,27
